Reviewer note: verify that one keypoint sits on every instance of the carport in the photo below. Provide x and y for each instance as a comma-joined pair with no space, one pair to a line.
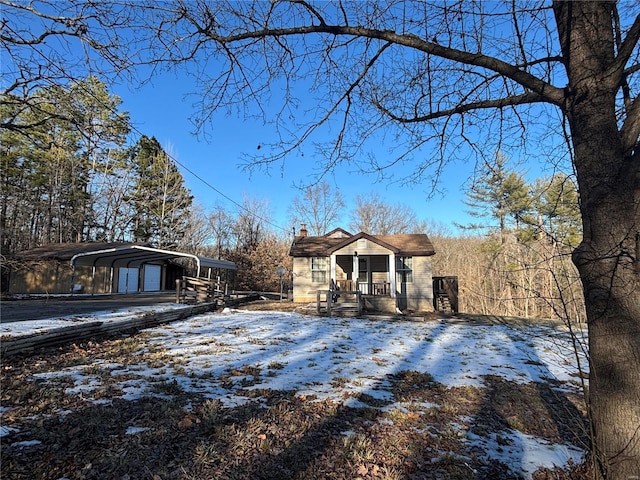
136,256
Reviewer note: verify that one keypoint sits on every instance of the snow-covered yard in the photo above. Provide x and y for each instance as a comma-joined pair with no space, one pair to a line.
237,357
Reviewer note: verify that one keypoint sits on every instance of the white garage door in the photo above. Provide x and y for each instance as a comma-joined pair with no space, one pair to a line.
152,275
127,280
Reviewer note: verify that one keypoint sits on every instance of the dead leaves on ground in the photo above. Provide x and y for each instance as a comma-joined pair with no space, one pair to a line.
175,435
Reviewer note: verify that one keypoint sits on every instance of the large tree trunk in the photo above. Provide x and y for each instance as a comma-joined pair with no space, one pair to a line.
607,259
608,266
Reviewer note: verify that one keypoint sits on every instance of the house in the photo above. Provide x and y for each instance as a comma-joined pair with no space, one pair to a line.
391,271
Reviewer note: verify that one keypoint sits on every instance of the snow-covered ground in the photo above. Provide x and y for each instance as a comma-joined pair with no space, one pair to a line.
341,358
45,325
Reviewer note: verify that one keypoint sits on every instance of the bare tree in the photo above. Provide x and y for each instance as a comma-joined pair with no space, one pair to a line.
197,233
374,216
221,226
319,208
434,76
250,226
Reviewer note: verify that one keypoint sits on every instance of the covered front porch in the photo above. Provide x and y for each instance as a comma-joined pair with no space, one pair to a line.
372,275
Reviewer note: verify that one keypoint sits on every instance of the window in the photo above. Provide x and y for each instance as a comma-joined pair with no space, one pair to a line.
404,269
319,269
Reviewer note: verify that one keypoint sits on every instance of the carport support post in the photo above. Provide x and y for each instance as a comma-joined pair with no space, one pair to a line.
111,279
332,267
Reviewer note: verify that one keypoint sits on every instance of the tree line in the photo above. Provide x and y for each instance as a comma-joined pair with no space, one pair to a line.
74,176
69,174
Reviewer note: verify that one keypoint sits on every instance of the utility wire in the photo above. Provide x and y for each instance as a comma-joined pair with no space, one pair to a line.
174,160
239,205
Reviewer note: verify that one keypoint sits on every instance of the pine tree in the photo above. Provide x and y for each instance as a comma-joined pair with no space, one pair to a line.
50,166
559,210
160,199
103,129
501,197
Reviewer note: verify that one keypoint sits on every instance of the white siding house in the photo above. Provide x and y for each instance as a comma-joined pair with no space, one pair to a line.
393,267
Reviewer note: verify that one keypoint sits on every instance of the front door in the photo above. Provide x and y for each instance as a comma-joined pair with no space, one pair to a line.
364,273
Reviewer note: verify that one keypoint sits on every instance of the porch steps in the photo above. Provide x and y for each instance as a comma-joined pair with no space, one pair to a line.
345,309
444,304
347,304
445,293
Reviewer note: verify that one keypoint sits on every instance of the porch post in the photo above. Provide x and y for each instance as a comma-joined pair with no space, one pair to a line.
356,271
332,268
392,274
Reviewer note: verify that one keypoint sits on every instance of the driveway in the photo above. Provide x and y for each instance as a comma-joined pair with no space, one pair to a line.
36,308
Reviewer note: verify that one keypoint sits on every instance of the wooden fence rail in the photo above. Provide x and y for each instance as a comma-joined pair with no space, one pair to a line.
200,290
85,331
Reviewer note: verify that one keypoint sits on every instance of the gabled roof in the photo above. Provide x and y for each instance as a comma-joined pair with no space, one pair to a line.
409,244
372,238
338,233
308,246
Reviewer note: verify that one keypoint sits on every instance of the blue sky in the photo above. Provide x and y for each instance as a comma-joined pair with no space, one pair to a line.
162,109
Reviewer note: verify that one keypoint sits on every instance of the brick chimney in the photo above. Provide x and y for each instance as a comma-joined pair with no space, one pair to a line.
303,230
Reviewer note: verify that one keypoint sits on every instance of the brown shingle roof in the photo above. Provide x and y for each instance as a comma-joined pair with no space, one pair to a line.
413,244
312,246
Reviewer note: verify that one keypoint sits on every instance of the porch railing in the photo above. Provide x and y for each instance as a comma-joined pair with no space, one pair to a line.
375,288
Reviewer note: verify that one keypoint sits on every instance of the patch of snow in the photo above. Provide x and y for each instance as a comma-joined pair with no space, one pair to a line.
5,430
524,453
135,430
26,443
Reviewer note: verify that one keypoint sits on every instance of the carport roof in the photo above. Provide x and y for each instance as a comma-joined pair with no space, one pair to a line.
136,255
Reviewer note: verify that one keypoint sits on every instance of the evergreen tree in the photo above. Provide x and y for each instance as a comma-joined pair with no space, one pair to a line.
160,199
54,170
103,131
559,210
51,164
500,196
13,187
